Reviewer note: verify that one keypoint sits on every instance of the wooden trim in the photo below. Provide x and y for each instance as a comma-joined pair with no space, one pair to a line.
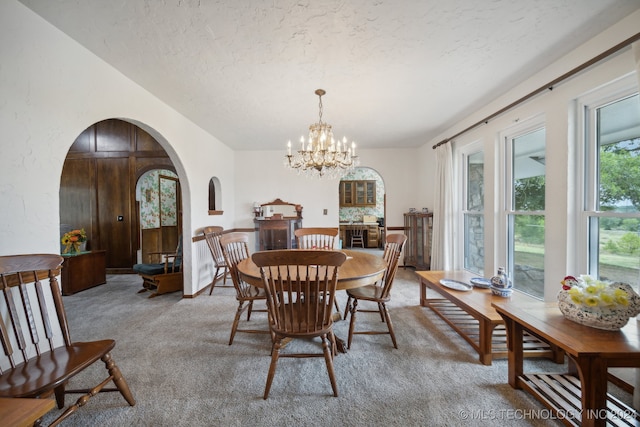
216,212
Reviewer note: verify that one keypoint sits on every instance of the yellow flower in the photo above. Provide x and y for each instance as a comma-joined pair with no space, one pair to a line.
592,301
591,290
577,299
575,292
606,299
621,297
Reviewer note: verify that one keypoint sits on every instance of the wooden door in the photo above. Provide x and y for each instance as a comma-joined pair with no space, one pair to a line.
115,211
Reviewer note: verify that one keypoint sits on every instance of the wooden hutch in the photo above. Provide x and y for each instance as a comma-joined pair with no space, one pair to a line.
275,224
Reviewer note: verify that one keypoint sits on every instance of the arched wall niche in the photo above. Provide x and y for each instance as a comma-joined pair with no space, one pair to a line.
215,197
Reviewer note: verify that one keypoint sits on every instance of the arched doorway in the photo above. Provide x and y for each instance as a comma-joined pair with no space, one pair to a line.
363,202
97,187
158,201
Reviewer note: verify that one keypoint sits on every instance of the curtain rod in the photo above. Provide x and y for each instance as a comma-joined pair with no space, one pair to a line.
548,86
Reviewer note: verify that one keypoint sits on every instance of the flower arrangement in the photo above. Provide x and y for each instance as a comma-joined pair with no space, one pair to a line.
596,303
72,239
590,292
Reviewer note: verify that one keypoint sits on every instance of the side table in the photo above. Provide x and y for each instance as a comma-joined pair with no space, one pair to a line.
83,271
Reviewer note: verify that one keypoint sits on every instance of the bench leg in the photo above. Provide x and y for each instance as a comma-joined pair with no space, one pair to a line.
485,350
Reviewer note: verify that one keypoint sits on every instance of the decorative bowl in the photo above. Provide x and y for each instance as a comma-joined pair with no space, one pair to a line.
606,318
502,292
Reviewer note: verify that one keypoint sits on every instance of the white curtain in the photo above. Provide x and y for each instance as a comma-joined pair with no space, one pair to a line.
442,245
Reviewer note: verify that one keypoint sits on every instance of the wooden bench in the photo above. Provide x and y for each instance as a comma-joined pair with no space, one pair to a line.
471,315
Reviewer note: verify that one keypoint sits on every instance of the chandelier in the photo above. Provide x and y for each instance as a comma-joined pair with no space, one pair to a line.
320,155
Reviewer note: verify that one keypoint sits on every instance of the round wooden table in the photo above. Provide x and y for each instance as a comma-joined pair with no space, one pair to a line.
359,269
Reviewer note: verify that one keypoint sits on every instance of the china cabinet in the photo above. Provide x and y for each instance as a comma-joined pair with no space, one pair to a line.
357,193
417,251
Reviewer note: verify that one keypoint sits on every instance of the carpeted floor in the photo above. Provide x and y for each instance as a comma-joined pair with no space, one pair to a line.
175,355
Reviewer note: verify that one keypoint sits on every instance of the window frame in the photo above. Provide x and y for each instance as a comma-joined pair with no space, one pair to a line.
506,209
464,154
586,230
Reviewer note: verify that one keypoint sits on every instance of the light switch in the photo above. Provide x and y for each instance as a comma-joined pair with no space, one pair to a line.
324,212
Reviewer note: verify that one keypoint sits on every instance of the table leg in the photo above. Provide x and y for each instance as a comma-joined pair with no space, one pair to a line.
593,379
485,337
515,352
423,293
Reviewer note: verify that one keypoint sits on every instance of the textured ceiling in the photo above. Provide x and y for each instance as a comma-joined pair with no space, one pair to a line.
396,72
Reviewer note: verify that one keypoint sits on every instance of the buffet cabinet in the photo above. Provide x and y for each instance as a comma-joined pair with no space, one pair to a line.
83,271
417,250
276,233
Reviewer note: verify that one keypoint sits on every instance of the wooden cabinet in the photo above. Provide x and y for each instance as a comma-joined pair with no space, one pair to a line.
372,236
276,233
357,193
83,271
417,250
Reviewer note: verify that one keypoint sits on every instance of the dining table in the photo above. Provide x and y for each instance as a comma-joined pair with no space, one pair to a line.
360,269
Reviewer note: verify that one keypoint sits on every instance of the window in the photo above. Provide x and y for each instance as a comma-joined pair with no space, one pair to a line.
473,212
611,176
524,217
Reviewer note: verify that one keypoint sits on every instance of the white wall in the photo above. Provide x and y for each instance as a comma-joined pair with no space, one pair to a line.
555,105
261,177
51,89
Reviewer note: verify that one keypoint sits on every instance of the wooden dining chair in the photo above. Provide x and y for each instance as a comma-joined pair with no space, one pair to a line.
316,237
379,293
300,287
357,236
235,248
39,357
212,235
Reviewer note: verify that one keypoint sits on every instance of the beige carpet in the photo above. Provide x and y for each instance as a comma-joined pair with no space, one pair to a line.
175,356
